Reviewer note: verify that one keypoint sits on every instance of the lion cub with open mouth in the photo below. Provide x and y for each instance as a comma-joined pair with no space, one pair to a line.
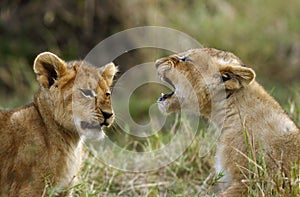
42,142
217,85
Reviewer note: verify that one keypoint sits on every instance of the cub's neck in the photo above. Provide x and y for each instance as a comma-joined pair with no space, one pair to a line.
252,108
53,128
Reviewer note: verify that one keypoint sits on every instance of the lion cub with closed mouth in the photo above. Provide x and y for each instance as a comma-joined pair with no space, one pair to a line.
42,142
217,85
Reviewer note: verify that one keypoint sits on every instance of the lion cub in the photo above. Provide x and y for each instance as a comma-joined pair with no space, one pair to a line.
221,88
42,142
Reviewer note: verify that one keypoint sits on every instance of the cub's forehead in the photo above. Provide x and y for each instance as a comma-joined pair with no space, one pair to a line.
85,73
80,64
223,57
193,53
187,53
220,57
84,68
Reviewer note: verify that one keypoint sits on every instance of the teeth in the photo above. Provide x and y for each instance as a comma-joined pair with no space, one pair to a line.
162,94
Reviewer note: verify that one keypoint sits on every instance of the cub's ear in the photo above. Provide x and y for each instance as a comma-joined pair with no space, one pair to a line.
108,72
236,77
48,68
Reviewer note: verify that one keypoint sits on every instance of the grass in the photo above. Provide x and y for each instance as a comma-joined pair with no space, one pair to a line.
261,181
182,177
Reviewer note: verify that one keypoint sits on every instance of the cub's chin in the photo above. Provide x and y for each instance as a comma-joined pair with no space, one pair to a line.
168,103
93,134
89,131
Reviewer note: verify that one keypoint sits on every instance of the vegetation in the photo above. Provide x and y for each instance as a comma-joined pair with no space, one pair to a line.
264,34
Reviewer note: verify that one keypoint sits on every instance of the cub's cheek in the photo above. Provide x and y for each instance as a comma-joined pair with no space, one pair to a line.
163,107
169,105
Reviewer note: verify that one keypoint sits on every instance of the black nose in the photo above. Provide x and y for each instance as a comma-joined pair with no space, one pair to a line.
106,115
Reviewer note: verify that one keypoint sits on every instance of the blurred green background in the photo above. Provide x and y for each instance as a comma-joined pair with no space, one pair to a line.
264,34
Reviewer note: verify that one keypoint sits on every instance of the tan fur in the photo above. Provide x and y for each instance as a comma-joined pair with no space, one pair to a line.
40,142
227,91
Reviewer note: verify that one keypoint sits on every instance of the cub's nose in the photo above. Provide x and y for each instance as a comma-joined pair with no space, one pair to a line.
106,115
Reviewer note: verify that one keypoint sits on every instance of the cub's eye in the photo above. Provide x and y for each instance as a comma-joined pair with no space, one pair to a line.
185,59
88,93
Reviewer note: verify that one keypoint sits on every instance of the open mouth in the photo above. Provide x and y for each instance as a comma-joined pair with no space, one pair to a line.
169,95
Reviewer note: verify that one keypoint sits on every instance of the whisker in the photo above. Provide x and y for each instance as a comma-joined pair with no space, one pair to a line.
119,121
114,127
